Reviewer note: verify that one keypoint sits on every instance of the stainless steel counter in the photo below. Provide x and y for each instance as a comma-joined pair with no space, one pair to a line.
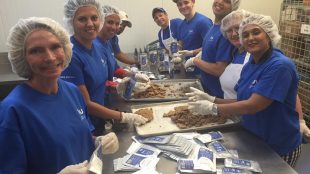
247,145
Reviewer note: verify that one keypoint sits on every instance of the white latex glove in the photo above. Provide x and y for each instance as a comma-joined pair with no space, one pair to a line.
196,94
189,62
133,119
203,107
303,127
109,143
80,168
185,53
142,77
139,86
176,60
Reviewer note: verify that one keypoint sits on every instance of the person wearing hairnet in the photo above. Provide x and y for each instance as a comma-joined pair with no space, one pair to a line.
167,35
89,66
44,121
191,31
118,53
266,90
110,27
216,50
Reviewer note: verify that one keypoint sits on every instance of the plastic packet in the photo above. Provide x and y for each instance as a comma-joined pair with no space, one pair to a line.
209,137
205,160
142,149
243,164
219,149
164,139
139,162
231,170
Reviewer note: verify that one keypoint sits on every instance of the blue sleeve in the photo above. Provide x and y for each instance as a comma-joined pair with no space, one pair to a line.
175,25
275,82
115,46
12,151
204,27
74,72
224,56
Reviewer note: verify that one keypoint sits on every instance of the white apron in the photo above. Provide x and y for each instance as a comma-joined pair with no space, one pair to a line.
167,42
230,77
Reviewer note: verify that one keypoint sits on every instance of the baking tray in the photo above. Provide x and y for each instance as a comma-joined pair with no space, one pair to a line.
164,125
176,89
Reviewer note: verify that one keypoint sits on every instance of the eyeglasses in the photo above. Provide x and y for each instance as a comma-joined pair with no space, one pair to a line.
232,29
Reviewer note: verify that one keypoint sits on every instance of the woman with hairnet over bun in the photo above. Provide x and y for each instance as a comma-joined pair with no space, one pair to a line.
44,126
216,50
89,66
266,90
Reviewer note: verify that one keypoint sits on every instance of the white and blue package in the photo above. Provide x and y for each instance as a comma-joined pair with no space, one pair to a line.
205,160
243,164
163,139
209,137
139,162
129,89
231,170
219,149
143,150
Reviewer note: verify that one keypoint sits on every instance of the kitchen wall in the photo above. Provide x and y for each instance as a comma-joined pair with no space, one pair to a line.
144,29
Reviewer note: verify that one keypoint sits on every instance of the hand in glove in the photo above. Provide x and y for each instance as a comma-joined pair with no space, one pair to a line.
196,94
190,61
185,53
203,107
108,143
80,168
303,127
142,77
176,60
131,119
139,86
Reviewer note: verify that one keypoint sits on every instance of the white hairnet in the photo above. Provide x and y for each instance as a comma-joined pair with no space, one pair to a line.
264,22
232,19
17,39
73,5
235,4
109,10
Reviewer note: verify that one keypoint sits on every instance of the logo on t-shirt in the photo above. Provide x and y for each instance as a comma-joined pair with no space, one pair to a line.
103,61
81,112
253,84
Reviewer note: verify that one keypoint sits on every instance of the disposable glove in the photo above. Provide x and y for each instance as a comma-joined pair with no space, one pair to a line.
196,94
303,127
80,168
203,107
139,86
142,77
185,53
190,61
108,143
133,119
176,60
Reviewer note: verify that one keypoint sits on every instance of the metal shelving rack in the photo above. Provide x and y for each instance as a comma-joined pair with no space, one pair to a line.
294,26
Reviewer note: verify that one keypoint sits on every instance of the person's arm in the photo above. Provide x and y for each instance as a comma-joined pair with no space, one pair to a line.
299,108
97,109
252,105
125,58
215,69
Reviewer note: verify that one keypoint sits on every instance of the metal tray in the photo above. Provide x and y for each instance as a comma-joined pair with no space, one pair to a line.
163,125
175,91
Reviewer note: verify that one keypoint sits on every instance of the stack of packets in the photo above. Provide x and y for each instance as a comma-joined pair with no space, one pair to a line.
206,159
140,157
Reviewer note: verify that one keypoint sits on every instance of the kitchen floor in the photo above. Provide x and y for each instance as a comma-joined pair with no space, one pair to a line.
303,164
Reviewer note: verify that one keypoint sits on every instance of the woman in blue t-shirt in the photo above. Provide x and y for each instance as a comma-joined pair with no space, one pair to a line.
44,125
266,91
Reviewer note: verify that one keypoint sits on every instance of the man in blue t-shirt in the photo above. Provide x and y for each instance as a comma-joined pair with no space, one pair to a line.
191,31
118,54
167,35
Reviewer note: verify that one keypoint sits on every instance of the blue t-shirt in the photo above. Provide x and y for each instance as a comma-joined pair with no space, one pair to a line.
192,32
215,48
88,67
174,25
115,45
275,78
42,133
107,49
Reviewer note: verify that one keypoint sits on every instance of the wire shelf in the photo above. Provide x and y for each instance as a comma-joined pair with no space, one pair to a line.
294,26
